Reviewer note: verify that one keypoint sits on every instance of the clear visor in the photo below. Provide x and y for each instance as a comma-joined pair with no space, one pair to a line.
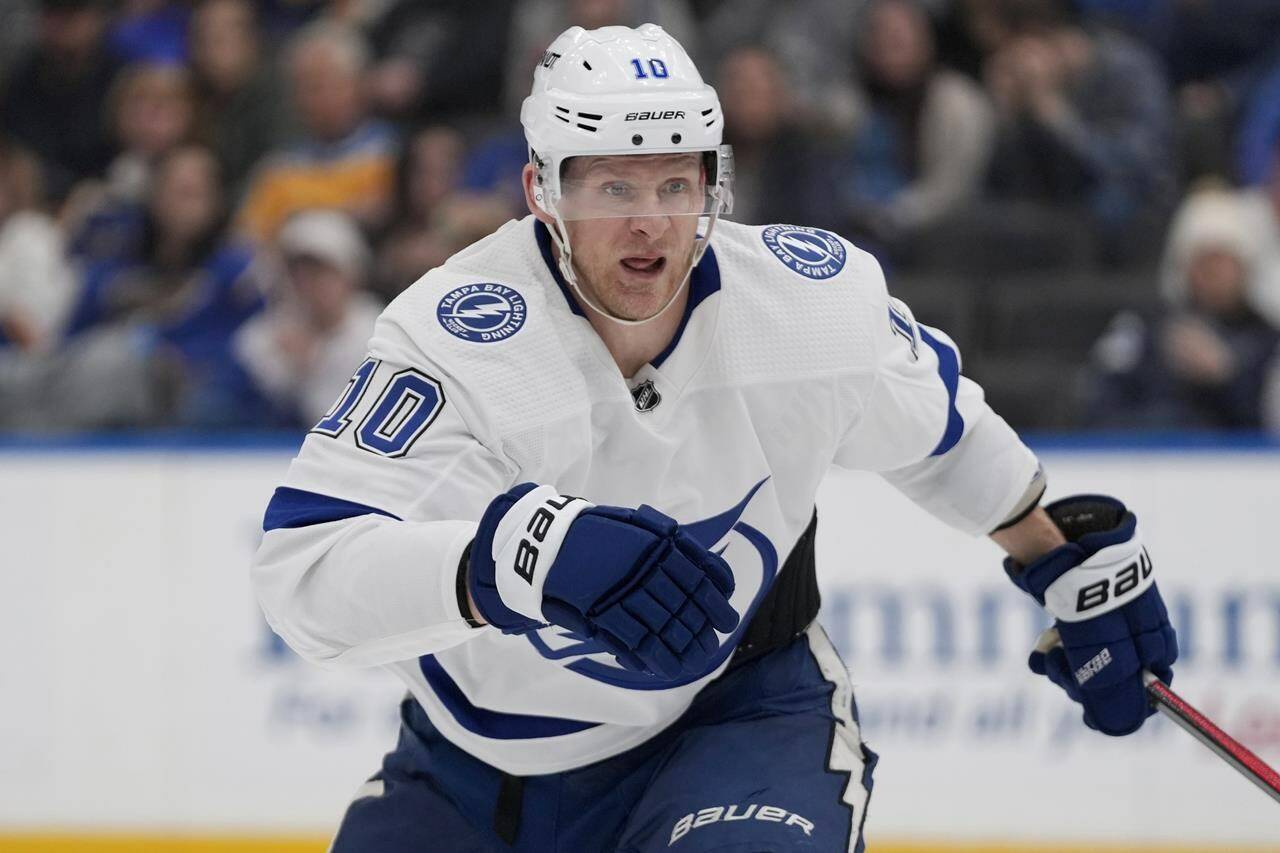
629,185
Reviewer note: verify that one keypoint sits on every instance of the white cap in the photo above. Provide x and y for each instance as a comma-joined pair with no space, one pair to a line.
1212,218
328,236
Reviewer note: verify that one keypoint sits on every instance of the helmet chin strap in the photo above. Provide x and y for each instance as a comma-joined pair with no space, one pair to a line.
560,235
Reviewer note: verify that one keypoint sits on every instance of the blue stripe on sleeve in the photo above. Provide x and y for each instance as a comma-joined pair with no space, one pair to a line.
900,321
298,508
492,724
949,371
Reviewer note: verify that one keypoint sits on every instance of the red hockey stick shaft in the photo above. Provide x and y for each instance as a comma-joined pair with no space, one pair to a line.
1204,730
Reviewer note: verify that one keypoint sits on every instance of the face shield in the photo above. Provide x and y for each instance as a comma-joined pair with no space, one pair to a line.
686,188
630,186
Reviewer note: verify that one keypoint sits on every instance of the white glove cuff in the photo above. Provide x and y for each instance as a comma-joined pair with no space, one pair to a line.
1108,580
526,543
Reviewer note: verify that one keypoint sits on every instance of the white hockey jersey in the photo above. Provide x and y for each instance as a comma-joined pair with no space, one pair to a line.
484,374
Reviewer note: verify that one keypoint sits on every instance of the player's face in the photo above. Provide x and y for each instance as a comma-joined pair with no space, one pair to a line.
632,223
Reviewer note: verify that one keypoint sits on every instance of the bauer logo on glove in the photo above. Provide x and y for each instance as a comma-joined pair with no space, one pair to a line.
1110,622
1082,594
631,579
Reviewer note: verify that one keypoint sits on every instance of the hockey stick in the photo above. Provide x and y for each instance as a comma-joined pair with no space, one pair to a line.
1203,729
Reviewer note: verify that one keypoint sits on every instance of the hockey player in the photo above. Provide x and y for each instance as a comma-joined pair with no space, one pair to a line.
568,499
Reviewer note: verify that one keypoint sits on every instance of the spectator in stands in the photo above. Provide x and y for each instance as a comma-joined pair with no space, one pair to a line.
188,289
779,175
432,66
55,95
303,348
239,101
922,136
810,39
1084,122
1214,52
150,111
346,159
152,31
460,220
1202,363
428,174
36,285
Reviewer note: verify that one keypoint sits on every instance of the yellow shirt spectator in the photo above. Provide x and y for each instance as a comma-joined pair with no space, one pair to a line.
354,174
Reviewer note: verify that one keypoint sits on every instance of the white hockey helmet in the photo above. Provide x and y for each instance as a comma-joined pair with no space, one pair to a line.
622,91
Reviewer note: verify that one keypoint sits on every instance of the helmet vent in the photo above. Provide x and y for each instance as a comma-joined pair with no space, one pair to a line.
585,120
707,111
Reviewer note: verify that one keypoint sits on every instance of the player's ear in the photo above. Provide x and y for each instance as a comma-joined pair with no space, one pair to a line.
527,178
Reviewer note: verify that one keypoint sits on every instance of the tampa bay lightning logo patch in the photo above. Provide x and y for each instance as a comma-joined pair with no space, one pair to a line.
482,313
812,252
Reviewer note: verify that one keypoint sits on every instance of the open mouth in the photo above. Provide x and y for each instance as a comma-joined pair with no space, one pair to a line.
645,265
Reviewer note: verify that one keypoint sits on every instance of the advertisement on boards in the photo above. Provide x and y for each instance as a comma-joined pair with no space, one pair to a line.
142,688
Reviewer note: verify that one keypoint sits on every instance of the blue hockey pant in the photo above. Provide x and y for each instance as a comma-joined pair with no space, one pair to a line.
767,758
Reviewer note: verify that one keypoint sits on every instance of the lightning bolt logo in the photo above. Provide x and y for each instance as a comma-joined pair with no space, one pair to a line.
804,248
479,312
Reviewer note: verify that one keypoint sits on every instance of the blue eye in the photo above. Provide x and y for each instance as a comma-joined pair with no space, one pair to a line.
677,186
616,190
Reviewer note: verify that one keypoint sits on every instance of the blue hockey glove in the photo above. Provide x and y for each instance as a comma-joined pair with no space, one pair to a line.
1108,613
630,579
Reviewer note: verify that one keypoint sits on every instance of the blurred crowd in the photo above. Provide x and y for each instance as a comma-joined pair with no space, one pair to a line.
205,204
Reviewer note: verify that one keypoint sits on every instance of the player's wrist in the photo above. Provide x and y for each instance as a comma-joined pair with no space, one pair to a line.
466,603
1030,537
476,616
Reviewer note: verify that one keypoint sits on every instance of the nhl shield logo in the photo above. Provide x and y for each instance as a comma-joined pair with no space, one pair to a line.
646,396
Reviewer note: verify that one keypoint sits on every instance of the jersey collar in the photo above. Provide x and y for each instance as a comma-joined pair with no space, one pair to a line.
703,281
